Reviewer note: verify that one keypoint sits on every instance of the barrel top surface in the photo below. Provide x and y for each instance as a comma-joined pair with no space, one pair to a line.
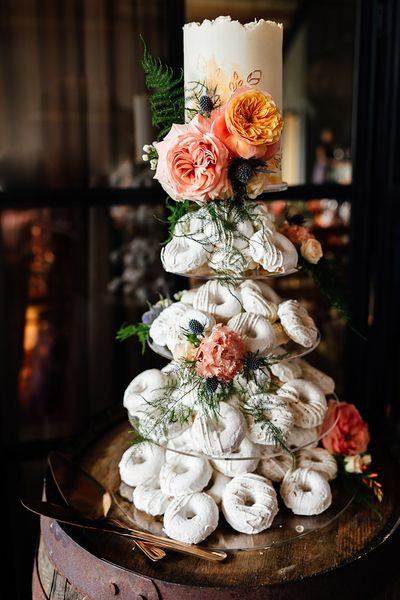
353,534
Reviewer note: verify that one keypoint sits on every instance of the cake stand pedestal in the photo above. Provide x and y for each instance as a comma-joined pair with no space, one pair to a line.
336,561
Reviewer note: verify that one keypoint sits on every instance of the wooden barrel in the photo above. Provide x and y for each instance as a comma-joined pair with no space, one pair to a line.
328,563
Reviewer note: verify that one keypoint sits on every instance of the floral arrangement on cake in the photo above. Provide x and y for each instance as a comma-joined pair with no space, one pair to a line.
214,166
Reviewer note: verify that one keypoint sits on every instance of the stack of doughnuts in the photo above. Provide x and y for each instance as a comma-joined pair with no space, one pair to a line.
251,308
250,245
231,465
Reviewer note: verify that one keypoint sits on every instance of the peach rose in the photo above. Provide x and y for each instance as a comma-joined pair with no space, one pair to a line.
357,463
311,250
220,354
350,435
193,163
250,125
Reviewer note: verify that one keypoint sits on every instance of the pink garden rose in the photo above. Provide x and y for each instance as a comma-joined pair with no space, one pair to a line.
249,125
350,435
193,163
220,354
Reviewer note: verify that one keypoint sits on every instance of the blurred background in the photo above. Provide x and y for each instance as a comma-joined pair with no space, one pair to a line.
81,220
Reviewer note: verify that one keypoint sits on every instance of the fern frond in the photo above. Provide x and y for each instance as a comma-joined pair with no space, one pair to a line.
167,100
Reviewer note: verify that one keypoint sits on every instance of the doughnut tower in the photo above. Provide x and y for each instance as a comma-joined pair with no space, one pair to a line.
232,422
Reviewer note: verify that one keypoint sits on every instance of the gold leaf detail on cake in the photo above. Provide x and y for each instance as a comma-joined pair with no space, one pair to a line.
235,82
254,77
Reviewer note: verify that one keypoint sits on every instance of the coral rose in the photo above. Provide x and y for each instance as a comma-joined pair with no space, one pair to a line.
297,234
350,435
193,163
250,124
311,250
220,354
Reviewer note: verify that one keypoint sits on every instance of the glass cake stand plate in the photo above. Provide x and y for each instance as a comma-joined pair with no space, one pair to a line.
285,528
250,274
179,447
275,187
295,350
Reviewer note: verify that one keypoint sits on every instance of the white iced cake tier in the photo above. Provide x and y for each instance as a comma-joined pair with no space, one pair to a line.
226,55
222,56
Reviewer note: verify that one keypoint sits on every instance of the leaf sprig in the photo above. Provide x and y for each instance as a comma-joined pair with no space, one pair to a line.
167,100
141,330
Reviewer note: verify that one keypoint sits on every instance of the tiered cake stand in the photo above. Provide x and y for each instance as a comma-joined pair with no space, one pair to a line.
76,564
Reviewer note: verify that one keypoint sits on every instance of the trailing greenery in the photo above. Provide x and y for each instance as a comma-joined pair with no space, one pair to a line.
167,100
258,410
141,330
333,287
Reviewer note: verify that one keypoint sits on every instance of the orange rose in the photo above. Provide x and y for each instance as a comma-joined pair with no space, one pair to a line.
250,125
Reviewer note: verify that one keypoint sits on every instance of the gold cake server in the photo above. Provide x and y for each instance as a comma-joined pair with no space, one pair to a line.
88,497
66,515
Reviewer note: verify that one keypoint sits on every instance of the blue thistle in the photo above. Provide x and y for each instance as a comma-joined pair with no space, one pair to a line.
211,385
196,327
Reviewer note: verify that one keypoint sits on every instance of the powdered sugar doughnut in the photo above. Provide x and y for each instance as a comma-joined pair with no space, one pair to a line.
275,467
182,442
231,468
323,381
202,317
140,462
268,292
220,301
254,302
217,486
251,387
319,460
297,323
273,251
285,370
231,255
276,411
300,437
182,474
280,334
249,503
190,227
307,401
262,219
183,255
187,296
172,371
191,518
306,492
165,325
219,437
146,387
148,497
256,330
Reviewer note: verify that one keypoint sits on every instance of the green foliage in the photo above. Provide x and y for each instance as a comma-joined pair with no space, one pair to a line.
176,210
141,330
167,100
137,438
